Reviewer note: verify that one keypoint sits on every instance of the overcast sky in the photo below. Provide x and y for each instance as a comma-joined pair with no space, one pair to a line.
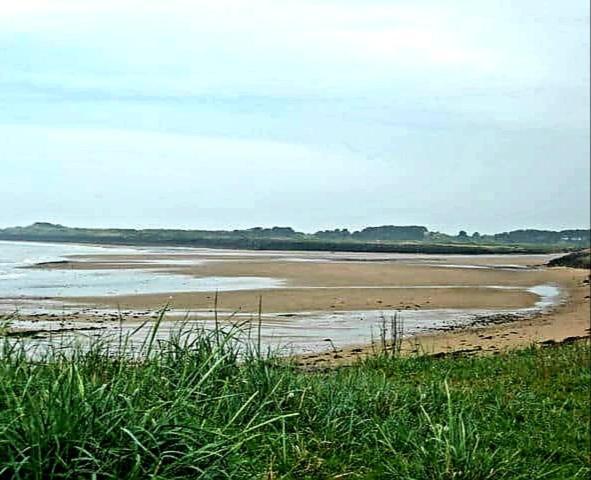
314,114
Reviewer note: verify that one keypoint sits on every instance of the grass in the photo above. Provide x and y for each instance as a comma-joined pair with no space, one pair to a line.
195,407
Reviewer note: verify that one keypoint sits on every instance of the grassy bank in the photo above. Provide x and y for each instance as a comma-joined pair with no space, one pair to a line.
193,410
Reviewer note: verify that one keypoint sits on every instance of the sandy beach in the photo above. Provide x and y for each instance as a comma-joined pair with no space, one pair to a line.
309,286
320,282
569,321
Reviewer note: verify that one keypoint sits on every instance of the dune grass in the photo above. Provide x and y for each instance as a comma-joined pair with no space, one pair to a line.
204,406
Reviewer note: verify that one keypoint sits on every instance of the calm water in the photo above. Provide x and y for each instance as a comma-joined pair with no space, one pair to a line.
19,282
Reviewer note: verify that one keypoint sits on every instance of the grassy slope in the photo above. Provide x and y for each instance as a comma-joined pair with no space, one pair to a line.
196,413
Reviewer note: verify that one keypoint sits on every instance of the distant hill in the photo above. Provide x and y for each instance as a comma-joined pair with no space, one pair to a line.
387,238
544,236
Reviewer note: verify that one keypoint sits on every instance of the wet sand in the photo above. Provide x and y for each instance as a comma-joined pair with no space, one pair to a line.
325,282
569,321
294,300
318,282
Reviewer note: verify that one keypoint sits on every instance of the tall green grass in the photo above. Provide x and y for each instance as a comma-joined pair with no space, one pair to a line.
208,406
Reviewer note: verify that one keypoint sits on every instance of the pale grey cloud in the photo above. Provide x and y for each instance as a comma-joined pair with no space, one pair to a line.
449,113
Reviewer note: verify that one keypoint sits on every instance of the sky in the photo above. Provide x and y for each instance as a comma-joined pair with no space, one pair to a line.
220,114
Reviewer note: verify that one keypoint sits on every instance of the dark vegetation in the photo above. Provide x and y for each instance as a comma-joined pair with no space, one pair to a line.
576,237
402,239
581,259
188,409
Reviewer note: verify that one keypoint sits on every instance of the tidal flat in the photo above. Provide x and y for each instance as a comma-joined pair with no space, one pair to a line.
309,302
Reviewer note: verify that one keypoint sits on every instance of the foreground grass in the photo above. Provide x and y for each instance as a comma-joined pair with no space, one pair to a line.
192,409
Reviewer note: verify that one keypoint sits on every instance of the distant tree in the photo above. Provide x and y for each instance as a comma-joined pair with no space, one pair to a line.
476,236
336,234
577,236
463,234
275,232
391,232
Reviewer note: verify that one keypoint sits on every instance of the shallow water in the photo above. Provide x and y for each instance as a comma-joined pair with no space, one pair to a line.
316,331
289,333
17,282
19,254
97,283
483,267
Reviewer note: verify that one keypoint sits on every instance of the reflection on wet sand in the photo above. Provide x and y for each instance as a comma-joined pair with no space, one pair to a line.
310,298
292,333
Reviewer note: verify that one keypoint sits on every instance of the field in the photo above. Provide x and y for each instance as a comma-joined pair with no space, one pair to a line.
198,410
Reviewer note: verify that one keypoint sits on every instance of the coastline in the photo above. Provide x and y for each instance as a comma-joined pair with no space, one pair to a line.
316,281
566,322
316,292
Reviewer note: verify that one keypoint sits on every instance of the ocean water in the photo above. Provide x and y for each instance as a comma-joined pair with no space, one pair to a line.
17,282
22,254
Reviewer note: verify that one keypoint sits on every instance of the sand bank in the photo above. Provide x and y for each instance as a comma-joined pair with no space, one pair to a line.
569,321
314,282
320,283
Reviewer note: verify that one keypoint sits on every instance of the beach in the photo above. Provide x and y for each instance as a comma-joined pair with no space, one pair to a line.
447,302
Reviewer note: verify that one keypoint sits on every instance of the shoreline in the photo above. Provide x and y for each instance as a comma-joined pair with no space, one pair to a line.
484,333
318,292
568,321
